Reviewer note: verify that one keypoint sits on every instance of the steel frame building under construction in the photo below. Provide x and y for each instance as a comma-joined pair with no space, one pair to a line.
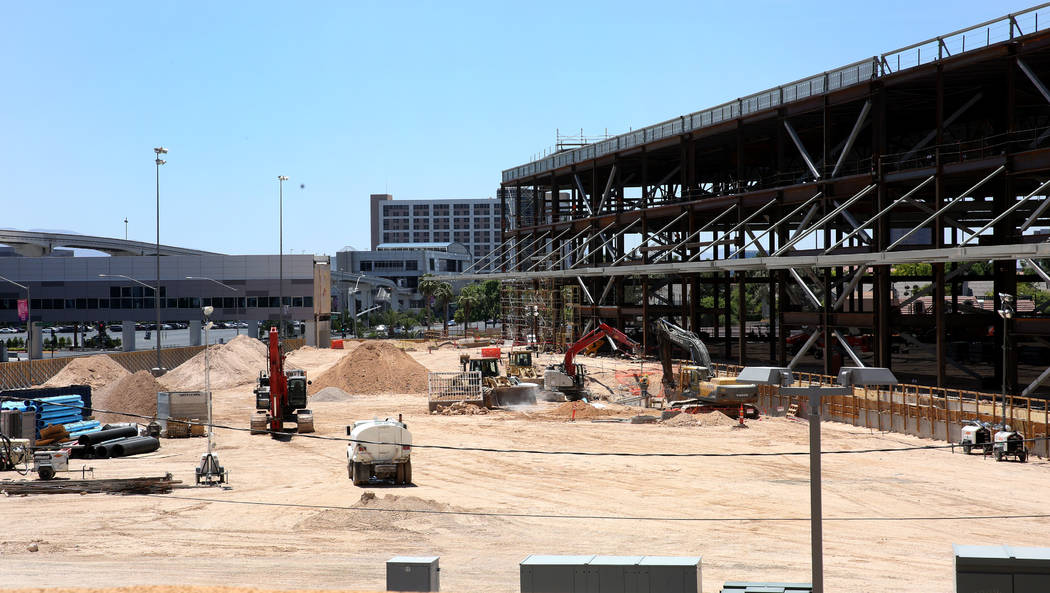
811,194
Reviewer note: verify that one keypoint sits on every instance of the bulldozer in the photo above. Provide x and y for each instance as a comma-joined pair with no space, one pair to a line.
696,388
519,364
499,390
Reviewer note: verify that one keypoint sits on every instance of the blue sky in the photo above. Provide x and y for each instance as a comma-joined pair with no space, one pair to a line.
418,99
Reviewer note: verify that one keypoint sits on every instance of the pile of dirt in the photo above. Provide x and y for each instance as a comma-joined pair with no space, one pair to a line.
331,394
702,419
234,363
132,393
461,409
387,514
373,368
581,409
97,371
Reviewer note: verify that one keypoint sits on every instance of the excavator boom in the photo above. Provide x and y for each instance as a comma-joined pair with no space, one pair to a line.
596,334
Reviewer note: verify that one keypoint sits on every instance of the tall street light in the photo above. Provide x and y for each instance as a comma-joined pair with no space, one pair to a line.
159,370
1006,301
220,284
848,377
156,293
125,228
29,324
280,249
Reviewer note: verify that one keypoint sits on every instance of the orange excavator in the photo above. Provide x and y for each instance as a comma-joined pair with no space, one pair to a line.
568,377
282,393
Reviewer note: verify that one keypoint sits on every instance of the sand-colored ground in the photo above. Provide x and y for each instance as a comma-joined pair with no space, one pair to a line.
322,535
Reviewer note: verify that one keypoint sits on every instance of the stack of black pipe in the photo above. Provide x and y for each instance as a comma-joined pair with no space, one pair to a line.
116,442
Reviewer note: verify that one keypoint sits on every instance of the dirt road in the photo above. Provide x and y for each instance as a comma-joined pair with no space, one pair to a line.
293,520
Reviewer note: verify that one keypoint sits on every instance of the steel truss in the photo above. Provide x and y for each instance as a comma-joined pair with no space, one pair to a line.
814,206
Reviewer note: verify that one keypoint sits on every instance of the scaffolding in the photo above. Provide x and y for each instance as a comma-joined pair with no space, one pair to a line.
536,313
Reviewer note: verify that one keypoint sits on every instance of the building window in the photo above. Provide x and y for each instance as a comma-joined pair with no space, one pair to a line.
461,209
395,210
411,265
421,209
421,236
440,209
441,223
461,223
441,237
297,301
482,223
421,224
481,209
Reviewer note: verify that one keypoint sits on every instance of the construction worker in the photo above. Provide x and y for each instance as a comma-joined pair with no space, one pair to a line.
643,386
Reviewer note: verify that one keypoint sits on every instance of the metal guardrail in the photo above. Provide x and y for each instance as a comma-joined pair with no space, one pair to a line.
1000,30
925,411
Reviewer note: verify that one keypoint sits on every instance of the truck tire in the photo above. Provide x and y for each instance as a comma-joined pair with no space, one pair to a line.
967,448
350,470
408,472
997,455
1022,456
358,475
400,476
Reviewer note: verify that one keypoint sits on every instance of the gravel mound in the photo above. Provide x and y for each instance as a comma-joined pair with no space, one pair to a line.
132,393
97,371
702,419
234,363
460,409
331,394
374,368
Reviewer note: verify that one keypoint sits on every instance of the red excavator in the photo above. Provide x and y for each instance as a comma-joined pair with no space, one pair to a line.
282,394
568,377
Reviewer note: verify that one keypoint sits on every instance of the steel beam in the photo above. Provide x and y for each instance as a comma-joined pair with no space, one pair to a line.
776,224
615,235
734,229
947,122
692,235
557,252
852,137
651,237
1007,212
942,209
802,149
827,218
880,214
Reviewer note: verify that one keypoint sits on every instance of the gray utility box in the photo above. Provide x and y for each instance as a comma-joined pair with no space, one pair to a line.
610,574
180,404
742,587
1001,569
412,573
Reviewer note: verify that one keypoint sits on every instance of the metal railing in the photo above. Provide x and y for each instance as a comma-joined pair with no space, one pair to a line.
919,410
1000,30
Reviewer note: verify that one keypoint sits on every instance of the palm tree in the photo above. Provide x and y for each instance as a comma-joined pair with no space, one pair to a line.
443,293
470,298
428,286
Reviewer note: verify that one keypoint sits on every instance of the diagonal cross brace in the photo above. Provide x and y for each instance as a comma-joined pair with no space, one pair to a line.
953,202
777,223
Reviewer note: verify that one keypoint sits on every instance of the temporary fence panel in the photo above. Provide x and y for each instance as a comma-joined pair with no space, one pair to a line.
447,388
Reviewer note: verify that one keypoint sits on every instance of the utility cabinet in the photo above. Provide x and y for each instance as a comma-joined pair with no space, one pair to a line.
1001,569
190,405
610,574
413,573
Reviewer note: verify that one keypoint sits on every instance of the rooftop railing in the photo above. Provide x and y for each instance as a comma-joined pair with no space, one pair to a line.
1000,30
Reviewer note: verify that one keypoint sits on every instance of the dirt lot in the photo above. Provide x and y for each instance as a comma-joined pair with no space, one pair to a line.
293,520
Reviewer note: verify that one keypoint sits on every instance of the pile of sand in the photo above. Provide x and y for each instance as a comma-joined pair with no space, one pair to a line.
702,419
97,371
460,409
372,368
392,513
582,410
331,394
135,394
234,363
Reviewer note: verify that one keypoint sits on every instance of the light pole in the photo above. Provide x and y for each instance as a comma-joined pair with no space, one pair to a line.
280,249
156,294
848,377
220,284
208,470
29,325
1006,301
125,228
158,371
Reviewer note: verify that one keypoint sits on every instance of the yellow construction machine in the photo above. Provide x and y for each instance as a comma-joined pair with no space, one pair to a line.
519,364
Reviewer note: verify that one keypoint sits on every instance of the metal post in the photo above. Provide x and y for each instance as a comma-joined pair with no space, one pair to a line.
29,326
816,537
207,379
280,232
156,291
